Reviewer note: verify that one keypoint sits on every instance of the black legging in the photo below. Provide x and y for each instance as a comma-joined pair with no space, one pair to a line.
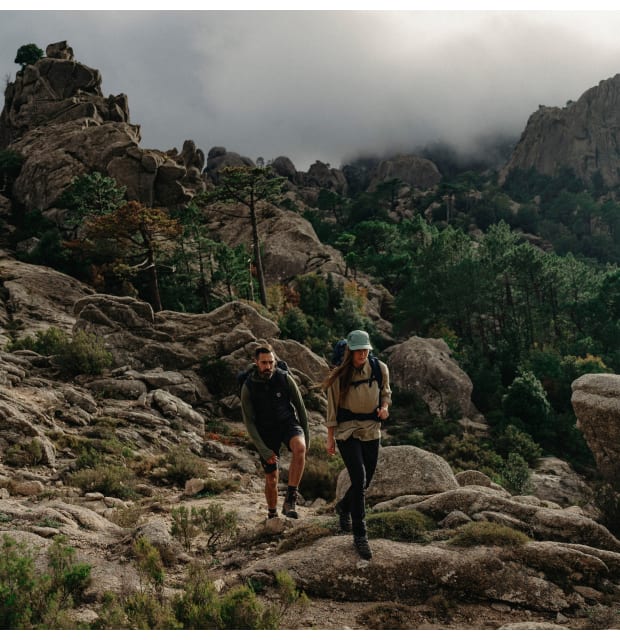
360,458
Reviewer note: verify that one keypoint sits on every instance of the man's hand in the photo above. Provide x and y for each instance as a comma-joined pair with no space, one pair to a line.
273,459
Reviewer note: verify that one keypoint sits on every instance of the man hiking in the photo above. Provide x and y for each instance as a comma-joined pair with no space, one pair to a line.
274,414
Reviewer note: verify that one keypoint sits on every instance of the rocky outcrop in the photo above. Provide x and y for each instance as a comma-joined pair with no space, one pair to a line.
582,136
403,470
554,480
322,176
291,248
35,298
218,158
285,168
57,118
425,365
411,170
568,558
596,402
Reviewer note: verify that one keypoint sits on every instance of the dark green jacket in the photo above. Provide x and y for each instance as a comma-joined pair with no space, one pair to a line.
250,414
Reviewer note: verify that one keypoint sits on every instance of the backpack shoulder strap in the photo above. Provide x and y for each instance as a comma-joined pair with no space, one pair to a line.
377,374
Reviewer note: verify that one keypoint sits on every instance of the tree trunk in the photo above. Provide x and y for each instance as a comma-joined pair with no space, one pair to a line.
257,257
153,282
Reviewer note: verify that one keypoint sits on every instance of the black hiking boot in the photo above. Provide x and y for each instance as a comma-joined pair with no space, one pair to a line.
362,546
288,509
344,517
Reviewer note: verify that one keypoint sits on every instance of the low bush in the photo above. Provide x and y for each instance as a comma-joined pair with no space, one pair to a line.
321,472
488,533
201,607
407,525
30,599
183,465
84,353
516,475
217,525
109,479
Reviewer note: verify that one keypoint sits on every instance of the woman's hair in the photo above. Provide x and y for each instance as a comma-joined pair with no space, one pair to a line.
343,372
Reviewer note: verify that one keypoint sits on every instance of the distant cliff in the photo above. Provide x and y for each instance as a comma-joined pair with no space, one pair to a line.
583,136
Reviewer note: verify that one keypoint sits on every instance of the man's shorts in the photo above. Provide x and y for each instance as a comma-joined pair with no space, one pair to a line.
275,441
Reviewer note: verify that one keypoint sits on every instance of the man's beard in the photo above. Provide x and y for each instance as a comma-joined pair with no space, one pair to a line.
265,375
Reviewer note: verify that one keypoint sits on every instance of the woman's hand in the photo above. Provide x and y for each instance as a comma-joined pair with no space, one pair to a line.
382,413
330,445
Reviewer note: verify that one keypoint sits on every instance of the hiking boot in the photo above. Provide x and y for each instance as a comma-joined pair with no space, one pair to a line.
362,546
288,509
344,517
272,513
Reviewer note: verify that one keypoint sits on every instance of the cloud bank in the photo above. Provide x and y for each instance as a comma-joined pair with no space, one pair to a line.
328,85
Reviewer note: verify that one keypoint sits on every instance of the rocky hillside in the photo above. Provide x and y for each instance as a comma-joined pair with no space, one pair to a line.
582,136
478,557
110,459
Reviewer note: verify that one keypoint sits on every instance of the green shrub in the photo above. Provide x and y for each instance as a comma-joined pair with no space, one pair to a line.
85,354
218,376
22,454
68,578
109,479
320,473
47,343
201,607
407,525
241,609
183,527
294,325
217,525
149,564
33,600
513,440
469,452
198,606
183,465
526,399
515,474
488,533
145,611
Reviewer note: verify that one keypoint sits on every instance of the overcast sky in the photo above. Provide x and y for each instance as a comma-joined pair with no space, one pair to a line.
327,85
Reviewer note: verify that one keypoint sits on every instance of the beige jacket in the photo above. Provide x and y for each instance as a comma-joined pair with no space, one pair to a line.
360,398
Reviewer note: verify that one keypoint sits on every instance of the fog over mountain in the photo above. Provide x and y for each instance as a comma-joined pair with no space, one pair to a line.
329,85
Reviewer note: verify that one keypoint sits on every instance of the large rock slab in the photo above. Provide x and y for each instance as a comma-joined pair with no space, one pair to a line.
581,136
596,402
532,576
403,470
36,298
426,366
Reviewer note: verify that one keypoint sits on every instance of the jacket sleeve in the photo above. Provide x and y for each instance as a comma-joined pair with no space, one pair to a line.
298,403
332,404
247,410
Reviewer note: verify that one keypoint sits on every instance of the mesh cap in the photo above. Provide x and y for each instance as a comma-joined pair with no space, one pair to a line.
358,340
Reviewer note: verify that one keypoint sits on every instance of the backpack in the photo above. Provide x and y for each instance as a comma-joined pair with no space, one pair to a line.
338,355
338,352
244,377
